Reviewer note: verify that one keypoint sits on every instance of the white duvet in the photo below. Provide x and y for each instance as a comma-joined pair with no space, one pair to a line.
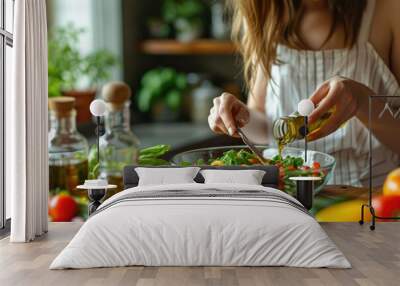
202,231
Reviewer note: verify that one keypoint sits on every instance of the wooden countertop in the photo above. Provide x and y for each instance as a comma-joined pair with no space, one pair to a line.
348,191
374,255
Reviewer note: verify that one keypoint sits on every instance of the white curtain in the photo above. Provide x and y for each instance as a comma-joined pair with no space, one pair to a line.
26,123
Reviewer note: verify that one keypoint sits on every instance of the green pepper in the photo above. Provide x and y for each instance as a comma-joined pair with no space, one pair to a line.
200,162
185,164
298,162
154,151
153,162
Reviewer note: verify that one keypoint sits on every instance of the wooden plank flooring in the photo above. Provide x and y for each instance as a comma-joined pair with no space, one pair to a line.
375,257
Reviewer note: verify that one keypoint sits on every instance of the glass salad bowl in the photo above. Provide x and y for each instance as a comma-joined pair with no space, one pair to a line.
292,165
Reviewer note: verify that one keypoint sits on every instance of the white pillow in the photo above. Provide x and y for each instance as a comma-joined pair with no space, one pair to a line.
246,177
166,176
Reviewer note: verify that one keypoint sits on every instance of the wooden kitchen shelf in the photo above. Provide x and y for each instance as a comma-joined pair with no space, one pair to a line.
197,47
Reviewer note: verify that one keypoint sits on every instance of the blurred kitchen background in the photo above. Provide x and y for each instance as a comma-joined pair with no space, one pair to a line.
175,55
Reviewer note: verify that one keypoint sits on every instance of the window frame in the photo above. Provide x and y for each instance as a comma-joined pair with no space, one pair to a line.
6,39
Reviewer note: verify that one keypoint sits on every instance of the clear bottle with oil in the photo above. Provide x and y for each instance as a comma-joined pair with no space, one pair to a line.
119,147
288,129
68,150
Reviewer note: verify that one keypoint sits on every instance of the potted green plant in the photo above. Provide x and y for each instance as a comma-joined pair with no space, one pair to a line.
186,16
158,28
161,93
66,66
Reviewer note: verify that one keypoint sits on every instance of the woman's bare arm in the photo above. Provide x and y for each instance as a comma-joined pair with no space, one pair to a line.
228,113
256,99
257,128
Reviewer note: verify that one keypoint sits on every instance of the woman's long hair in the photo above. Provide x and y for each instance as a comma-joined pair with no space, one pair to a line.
260,25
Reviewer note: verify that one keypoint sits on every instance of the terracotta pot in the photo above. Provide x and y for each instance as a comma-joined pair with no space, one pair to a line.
83,98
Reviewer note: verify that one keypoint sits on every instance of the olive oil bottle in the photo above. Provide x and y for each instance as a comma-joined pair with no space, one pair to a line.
68,149
288,129
119,146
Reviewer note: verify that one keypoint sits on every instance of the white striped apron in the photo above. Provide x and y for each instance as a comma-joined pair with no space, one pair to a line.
299,75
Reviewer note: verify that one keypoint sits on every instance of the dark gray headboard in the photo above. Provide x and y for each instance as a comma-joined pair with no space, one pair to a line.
270,179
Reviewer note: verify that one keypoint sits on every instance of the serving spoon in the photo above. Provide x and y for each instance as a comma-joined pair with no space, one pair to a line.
251,146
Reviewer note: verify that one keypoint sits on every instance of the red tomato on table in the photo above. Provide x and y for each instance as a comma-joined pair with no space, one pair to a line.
62,207
387,206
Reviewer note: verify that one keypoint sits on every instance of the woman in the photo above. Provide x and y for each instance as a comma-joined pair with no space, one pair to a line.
335,52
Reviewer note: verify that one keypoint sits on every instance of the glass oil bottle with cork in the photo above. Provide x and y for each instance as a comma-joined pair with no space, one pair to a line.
68,150
118,146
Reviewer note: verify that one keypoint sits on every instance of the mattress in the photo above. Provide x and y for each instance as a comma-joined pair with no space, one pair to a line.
201,225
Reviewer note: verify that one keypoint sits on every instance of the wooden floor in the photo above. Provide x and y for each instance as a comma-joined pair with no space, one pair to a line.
375,257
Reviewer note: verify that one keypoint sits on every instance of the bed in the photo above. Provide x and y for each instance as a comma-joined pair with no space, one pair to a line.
198,224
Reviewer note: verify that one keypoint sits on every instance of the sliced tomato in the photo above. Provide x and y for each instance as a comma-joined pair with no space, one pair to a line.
291,168
254,161
316,173
316,165
281,172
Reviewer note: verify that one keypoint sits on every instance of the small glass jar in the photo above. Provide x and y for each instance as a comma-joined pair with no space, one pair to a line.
119,147
68,150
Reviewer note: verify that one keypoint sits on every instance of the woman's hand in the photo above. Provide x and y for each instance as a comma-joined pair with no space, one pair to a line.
345,95
227,114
